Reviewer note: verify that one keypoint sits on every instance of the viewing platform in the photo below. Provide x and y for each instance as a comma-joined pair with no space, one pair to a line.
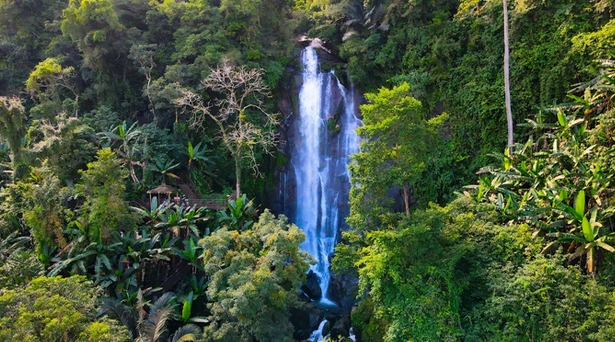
170,193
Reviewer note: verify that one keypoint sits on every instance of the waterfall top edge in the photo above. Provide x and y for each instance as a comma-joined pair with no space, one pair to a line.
309,58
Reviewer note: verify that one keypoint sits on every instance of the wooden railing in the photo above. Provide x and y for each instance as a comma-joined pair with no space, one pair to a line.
212,202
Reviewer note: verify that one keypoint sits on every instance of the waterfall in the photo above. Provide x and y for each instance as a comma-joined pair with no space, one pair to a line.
324,139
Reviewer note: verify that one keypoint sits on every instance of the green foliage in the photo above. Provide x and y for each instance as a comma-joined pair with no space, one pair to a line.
43,199
102,184
55,309
454,273
545,301
596,44
13,129
17,264
419,298
90,23
150,326
255,277
392,117
496,271
560,183
66,144
240,216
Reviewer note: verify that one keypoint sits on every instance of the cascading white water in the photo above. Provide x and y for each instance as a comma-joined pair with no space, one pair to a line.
320,163
317,334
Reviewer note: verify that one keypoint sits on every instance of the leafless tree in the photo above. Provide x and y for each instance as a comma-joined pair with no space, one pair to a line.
242,121
143,57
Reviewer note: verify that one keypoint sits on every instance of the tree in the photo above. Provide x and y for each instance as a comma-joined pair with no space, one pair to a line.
129,146
43,198
102,185
243,123
46,80
397,140
64,141
13,129
255,275
96,28
55,309
143,57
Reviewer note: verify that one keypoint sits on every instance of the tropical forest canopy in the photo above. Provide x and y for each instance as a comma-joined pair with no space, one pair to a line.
453,236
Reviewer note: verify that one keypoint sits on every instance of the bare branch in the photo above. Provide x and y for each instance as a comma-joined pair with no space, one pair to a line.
244,125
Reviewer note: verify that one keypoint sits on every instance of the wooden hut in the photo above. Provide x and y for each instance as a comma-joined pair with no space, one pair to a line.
163,192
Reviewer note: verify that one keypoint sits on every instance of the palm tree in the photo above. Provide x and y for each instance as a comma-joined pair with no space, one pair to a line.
197,154
200,164
150,326
99,255
164,166
126,141
187,333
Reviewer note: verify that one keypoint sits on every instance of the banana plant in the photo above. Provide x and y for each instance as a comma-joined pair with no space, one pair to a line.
186,314
152,215
587,239
537,182
192,252
96,255
122,281
126,141
198,154
164,166
198,285
180,218
241,214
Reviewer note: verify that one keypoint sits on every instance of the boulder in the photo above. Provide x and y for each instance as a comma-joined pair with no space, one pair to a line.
306,320
311,287
341,328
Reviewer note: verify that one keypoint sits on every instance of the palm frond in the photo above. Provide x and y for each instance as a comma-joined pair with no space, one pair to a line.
156,324
116,310
188,332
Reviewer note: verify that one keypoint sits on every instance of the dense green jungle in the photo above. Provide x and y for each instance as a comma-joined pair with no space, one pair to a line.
102,101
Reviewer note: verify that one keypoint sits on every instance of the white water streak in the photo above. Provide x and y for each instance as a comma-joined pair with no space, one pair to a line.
320,164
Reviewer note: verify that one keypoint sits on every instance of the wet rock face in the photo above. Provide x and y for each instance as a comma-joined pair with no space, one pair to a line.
311,287
344,289
340,329
306,320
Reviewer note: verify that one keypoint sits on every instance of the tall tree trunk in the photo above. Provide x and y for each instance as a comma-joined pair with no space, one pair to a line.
237,179
507,80
407,199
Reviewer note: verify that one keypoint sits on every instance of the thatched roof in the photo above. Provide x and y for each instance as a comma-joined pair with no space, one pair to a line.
162,189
